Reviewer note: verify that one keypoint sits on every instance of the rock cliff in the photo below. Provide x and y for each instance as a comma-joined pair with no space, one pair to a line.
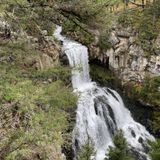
127,58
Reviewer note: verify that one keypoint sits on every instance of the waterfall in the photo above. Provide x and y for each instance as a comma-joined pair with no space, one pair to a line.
100,111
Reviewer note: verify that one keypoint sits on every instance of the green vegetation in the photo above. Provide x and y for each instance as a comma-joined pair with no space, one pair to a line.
82,18
34,105
77,32
156,122
148,91
104,43
86,152
101,75
155,152
29,16
147,32
120,152
149,94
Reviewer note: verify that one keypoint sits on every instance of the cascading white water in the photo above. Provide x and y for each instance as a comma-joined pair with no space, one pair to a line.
100,111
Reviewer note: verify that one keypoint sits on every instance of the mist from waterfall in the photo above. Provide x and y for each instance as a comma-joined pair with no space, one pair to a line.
100,111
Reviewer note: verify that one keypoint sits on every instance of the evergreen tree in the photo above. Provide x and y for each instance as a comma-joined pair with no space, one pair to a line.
120,152
86,152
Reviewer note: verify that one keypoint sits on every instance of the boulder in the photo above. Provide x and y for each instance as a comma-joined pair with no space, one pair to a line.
135,50
124,34
45,61
122,47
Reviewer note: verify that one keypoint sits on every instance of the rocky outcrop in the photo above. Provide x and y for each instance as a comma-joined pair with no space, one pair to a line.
49,49
50,56
127,59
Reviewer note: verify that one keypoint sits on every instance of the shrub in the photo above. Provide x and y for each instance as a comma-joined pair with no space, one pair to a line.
120,152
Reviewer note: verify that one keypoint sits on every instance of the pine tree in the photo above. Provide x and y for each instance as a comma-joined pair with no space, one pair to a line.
86,152
120,152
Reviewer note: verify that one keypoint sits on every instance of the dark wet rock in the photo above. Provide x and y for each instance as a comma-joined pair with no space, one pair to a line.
133,133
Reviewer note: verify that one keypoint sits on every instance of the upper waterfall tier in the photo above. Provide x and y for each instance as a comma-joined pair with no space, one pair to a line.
78,59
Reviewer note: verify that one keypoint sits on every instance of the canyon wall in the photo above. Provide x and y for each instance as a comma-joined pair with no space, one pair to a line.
126,57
